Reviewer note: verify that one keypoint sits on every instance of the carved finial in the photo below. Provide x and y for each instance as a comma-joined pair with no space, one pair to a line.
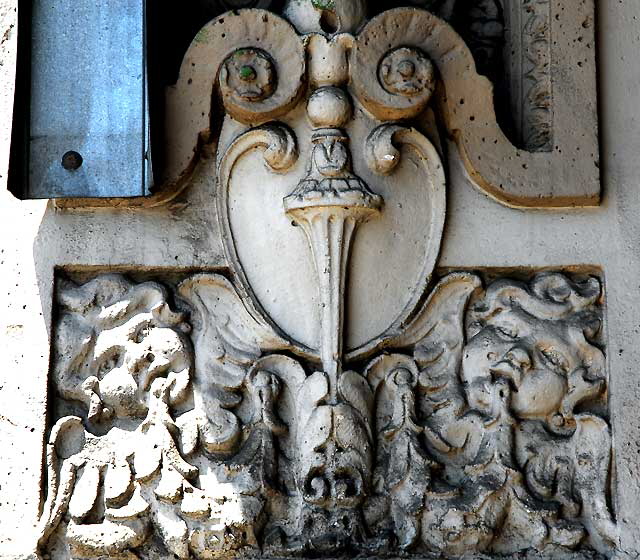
326,16
329,107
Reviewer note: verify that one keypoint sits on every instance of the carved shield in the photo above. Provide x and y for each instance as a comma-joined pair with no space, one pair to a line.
332,217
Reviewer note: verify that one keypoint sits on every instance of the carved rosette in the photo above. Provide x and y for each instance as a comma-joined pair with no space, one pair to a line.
407,72
248,75
321,395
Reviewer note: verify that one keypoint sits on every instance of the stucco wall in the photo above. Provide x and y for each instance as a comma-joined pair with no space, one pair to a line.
35,237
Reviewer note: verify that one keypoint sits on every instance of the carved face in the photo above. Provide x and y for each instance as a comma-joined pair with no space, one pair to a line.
113,340
128,357
535,356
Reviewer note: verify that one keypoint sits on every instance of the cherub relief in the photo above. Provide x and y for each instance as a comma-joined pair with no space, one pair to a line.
122,360
116,456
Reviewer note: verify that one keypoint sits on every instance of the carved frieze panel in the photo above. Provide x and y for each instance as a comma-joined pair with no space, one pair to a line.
183,425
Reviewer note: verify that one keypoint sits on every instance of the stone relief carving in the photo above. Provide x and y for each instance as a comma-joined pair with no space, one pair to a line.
321,394
529,38
511,45
480,22
332,44
479,427
526,67
249,75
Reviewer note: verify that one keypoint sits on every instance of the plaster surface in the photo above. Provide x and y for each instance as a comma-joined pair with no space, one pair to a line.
36,237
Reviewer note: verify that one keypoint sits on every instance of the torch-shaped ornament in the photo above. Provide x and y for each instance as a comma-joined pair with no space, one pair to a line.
329,204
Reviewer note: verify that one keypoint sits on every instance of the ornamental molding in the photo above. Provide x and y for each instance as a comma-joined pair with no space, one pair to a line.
552,86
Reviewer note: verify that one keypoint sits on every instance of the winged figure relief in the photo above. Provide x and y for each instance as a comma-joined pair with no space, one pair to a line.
188,425
141,425
122,364
491,427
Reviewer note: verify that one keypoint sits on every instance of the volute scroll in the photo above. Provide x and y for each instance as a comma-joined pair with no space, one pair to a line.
280,152
330,391
512,176
259,61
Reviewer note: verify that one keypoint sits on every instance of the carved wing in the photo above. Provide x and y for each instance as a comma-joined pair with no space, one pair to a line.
89,474
227,341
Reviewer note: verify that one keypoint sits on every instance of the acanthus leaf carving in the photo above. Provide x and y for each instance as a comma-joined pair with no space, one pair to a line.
537,92
404,464
228,341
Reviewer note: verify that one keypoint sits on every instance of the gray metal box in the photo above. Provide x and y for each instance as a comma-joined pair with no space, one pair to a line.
88,129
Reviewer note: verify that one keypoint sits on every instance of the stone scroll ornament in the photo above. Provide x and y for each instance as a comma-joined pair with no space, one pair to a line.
328,395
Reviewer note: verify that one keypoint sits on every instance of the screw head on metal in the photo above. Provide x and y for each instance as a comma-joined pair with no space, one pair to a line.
71,160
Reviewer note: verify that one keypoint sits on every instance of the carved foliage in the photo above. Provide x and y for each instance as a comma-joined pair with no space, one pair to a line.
483,430
529,41
537,105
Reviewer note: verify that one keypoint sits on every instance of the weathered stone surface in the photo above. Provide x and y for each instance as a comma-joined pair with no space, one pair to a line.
481,420
479,428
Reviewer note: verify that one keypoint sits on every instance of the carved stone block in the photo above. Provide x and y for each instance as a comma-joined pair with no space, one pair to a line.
328,391
479,426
